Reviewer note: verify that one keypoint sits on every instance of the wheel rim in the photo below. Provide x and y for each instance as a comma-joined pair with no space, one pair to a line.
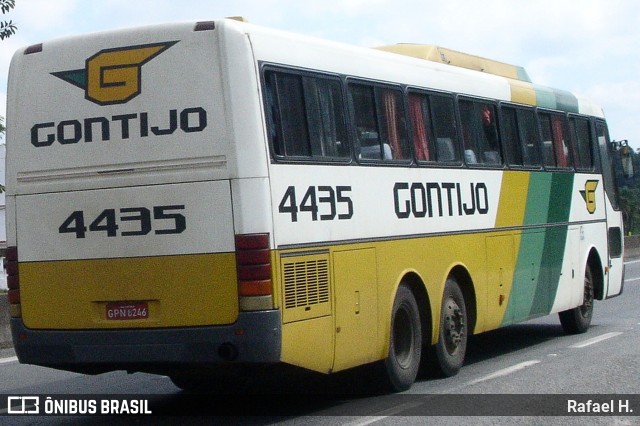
403,333
454,327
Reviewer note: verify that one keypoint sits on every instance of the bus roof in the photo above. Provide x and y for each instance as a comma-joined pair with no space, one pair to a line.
522,89
427,66
460,59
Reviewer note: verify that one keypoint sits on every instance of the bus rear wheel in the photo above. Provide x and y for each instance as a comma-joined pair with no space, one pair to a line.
578,320
405,341
452,339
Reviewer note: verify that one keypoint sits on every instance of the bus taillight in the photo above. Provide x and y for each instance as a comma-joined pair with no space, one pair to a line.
253,261
13,282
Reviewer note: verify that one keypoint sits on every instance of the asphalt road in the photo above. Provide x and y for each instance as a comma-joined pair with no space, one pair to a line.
530,359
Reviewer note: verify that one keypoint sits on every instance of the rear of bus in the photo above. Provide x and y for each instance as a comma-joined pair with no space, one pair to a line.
130,159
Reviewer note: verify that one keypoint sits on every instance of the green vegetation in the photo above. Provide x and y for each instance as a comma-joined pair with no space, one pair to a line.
629,191
7,28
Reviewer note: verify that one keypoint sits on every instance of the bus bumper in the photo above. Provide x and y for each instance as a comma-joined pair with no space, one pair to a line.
254,338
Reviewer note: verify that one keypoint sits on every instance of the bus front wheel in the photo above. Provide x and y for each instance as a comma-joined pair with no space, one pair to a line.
452,338
578,320
405,341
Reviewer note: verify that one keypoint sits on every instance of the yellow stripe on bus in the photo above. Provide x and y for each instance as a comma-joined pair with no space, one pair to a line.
513,199
185,290
523,92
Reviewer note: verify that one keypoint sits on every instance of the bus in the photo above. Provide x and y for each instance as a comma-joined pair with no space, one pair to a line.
203,199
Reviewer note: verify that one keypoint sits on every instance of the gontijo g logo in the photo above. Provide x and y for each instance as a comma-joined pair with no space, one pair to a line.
589,195
114,76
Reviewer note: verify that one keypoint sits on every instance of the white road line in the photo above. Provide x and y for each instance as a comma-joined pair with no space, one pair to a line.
8,360
505,371
597,339
364,421
631,280
632,261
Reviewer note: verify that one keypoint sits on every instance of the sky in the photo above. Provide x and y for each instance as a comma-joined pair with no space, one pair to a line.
589,47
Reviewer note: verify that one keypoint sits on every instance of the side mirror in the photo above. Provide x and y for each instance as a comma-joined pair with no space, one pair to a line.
625,156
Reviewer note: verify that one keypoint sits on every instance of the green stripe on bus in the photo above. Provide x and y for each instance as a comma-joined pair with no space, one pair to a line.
560,197
565,101
527,270
562,100
554,243
539,261
555,240
537,210
545,97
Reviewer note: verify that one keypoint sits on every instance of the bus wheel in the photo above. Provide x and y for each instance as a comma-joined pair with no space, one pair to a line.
405,342
578,320
452,339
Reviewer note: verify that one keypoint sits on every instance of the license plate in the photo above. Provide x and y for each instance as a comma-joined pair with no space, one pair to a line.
127,310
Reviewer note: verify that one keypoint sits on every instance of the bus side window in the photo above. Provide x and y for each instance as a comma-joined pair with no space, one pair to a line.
520,136
582,135
444,128
378,114
305,116
420,125
325,114
289,133
362,100
511,136
529,137
468,132
555,140
606,164
547,140
393,124
434,128
480,133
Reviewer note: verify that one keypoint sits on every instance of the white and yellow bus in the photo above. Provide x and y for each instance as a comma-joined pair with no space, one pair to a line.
197,198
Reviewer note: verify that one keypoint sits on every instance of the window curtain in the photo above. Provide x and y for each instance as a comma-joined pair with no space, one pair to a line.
558,142
420,141
391,112
328,120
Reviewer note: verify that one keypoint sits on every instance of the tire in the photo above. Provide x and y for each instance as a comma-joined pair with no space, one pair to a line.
578,320
405,342
451,347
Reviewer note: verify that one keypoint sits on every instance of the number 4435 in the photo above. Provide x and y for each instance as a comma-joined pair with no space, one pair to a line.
141,221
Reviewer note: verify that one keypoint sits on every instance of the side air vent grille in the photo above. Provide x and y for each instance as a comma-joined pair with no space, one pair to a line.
306,287
306,283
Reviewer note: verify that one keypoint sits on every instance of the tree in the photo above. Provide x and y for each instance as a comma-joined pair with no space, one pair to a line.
630,206
7,28
629,193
